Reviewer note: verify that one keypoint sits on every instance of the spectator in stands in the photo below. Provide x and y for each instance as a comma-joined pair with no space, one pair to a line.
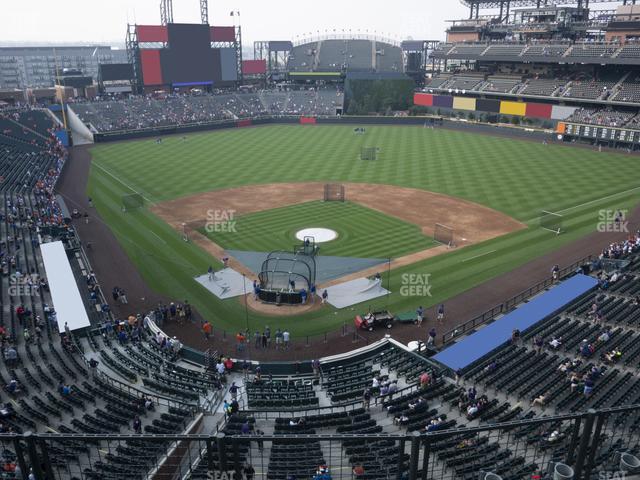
417,405
137,425
148,404
322,473
435,424
538,343
574,381
358,471
12,386
375,385
402,419
249,472
588,387
93,367
555,342
245,428
233,390
541,400
491,367
11,356
366,399
220,368
515,336
604,336
393,388
260,442
471,393
384,390
425,379
315,365
613,356
586,349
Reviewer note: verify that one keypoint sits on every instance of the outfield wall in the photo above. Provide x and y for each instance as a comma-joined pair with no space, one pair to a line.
505,107
483,128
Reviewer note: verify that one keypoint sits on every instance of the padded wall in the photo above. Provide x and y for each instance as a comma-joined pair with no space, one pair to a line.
513,108
423,99
464,103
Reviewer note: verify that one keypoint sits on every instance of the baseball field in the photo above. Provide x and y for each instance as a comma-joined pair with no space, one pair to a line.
490,190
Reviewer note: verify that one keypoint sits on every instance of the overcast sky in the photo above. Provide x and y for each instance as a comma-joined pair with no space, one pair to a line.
105,20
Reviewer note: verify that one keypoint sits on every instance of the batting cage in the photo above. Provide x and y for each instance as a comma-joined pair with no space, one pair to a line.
443,234
369,153
284,276
131,202
334,192
551,221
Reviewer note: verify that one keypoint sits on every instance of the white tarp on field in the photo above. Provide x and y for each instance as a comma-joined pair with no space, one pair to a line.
355,291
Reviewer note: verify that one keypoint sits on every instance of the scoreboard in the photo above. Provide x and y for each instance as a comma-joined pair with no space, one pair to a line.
599,133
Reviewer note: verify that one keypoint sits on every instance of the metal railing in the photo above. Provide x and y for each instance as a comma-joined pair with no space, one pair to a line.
591,444
511,303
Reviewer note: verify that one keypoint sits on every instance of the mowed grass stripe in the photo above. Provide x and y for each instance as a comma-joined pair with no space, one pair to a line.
362,232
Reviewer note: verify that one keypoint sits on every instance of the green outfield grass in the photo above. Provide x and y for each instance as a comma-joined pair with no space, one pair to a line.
362,232
517,177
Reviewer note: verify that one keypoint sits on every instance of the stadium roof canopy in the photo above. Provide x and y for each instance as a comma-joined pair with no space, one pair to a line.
525,3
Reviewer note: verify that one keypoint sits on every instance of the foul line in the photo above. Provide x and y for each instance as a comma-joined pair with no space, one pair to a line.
157,236
123,183
588,203
478,256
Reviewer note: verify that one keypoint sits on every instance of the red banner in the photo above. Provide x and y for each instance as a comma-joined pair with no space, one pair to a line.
223,34
151,69
254,67
244,123
423,99
152,33
308,120
539,110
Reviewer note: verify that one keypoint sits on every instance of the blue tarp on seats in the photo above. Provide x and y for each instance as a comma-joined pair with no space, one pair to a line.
478,344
